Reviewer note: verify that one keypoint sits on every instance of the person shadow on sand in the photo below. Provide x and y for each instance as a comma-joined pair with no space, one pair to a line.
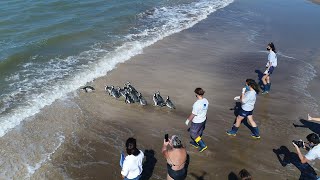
286,157
315,127
260,75
148,164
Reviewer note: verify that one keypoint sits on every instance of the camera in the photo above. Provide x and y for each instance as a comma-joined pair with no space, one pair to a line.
299,143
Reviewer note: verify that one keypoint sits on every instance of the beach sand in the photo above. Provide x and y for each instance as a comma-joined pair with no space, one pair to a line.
218,54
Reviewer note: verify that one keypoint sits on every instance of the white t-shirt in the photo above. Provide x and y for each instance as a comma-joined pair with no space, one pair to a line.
314,153
200,108
132,166
249,100
272,58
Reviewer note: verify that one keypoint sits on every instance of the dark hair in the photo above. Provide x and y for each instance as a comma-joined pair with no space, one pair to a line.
199,91
244,175
272,47
314,138
252,83
131,147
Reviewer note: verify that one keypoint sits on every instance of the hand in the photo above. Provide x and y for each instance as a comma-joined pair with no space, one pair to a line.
309,118
295,145
243,90
187,122
165,143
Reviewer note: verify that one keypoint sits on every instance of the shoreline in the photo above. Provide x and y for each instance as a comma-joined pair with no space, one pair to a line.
212,55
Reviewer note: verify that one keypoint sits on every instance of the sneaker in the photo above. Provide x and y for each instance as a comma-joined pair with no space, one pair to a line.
265,92
203,149
255,136
194,144
230,133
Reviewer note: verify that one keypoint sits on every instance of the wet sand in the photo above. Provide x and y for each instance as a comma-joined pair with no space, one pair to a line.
205,56
217,54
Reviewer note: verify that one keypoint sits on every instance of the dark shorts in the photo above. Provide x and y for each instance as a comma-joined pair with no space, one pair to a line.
244,113
196,129
177,175
271,69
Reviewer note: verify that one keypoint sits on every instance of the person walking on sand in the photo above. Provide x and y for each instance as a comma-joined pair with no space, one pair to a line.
131,164
312,118
198,119
177,158
248,99
270,66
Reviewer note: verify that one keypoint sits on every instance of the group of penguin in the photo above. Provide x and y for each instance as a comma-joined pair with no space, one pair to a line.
131,95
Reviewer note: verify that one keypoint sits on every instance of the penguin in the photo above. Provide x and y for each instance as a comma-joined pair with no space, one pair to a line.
129,86
114,92
108,89
169,103
123,91
133,95
143,101
88,89
155,99
128,99
160,99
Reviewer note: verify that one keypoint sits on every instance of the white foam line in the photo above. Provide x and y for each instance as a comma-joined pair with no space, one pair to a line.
33,169
104,65
278,54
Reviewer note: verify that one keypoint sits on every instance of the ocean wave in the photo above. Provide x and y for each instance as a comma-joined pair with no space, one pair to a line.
49,81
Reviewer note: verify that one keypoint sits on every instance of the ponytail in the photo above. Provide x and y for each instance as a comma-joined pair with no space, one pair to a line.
252,83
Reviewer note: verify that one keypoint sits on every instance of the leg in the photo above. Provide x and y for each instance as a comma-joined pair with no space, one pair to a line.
194,128
253,124
265,84
198,139
264,79
235,127
268,79
255,130
238,121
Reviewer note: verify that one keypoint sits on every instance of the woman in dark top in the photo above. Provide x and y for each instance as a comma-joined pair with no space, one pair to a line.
177,158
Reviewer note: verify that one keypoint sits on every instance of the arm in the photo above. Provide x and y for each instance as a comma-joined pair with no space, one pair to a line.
313,119
192,115
302,158
190,118
124,170
164,148
242,95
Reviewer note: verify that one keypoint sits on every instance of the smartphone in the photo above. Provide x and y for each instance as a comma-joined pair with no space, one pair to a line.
166,137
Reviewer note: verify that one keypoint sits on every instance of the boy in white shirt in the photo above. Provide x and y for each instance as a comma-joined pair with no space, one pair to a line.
198,119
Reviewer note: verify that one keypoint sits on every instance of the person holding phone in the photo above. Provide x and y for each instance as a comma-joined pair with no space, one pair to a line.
131,164
176,156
